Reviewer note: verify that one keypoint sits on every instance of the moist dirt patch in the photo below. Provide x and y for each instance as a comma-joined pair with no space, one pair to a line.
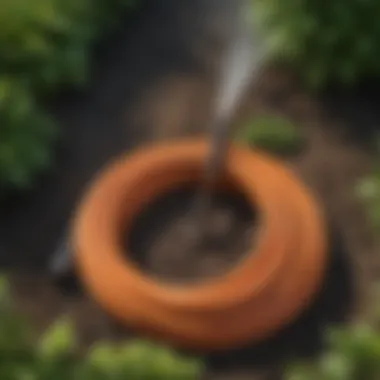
170,242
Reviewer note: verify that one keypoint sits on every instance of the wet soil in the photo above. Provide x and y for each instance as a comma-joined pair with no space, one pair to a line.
158,245
155,81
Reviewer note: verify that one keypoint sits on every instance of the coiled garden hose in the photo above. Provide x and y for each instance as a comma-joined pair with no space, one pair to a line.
267,290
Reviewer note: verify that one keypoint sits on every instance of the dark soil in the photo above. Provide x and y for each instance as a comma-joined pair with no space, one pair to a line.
173,240
155,81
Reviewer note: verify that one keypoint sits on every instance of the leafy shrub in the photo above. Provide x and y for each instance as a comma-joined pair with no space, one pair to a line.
46,42
26,136
44,46
330,41
272,133
353,354
40,41
54,355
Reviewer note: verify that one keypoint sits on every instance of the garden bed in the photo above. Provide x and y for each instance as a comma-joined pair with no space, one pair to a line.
154,82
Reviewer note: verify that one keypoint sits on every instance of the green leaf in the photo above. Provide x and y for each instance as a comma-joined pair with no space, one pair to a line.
103,356
336,366
58,340
302,371
275,134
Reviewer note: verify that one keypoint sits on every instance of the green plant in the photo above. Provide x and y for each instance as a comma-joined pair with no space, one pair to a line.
26,135
353,354
332,41
46,42
40,42
271,133
54,355
44,47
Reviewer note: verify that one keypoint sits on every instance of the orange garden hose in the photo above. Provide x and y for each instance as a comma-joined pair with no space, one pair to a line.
267,290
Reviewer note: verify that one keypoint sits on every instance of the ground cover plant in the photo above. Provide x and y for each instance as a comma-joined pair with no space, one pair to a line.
45,47
54,355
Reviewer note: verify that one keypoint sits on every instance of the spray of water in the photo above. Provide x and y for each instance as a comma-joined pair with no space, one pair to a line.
239,67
